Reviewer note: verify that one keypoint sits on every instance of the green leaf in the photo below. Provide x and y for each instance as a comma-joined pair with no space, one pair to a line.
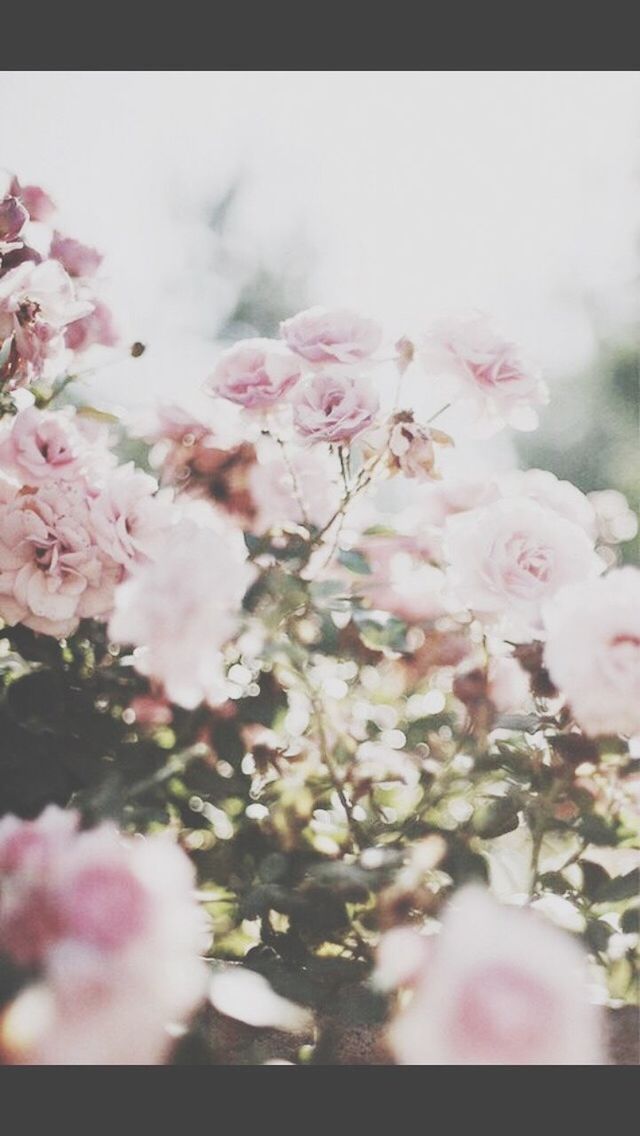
355,562
494,817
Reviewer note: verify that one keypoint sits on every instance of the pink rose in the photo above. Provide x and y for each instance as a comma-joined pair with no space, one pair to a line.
333,407
115,931
96,328
51,445
287,493
129,516
254,373
181,607
37,302
76,259
322,335
593,651
402,582
545,488
498,986
508,558
496,384
52,570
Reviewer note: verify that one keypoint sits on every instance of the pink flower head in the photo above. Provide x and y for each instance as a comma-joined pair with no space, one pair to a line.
255,373
128,516
50,445
508,558
334,407
182,606
403,581
13,217
96,328
545,488
593,651
52,571
497,987
76,259
36,201
288,493
114,929
37,302
496,384
322,335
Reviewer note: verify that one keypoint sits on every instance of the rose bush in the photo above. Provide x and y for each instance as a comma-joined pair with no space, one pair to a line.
297,718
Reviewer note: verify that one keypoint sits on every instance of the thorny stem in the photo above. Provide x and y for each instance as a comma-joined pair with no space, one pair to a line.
438,413
295,484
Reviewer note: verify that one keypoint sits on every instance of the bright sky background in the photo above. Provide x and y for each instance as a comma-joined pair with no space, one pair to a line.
418,192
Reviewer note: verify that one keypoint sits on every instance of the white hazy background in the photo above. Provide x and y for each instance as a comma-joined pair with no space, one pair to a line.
415,193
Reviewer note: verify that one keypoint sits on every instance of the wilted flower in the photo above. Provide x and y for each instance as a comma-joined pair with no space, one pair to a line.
334,407
498,386
499,986
412,446
593,651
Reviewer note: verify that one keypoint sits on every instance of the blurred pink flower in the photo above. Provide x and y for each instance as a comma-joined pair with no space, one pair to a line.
548,490
38,204
51,445
498,386
96,328
128,516
507,558
334,407
76,259
498,986
254,373
323,335
593,651
274,492
507,684
181,607
52,570
113,929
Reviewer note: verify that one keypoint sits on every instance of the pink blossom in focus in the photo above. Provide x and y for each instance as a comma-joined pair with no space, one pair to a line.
499,986
322,335
593,651
333,407
52,571
255,373
508,558
180,608
498,387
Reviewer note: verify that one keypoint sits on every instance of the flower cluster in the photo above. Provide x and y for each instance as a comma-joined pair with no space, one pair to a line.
49,308
345,670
